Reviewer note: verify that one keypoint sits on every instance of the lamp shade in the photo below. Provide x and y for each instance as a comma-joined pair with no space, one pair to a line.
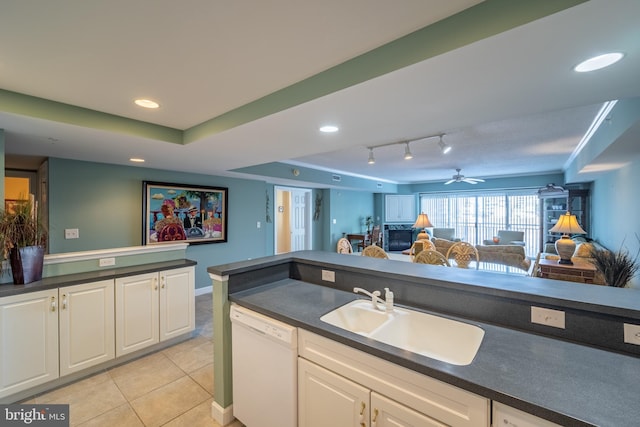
567,224
422,221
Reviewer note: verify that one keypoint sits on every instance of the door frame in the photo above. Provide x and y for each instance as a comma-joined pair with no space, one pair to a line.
308,215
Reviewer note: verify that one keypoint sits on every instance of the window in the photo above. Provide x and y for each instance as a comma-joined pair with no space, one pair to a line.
479,216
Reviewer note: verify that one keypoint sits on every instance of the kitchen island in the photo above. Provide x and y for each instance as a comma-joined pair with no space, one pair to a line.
582,375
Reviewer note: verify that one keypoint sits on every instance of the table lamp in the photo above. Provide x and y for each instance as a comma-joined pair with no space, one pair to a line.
567,224
422,222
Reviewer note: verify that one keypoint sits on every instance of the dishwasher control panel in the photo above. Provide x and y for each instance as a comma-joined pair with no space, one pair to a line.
263,324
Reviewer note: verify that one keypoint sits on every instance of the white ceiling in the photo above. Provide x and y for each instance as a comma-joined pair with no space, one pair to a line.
509,104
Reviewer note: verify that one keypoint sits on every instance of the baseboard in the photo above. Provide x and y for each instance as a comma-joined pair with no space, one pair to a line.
223,416
204,290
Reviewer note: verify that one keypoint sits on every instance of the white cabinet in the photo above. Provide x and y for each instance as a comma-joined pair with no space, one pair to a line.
153,307
506,416
86,320
400,208
328,399
28,340
335,383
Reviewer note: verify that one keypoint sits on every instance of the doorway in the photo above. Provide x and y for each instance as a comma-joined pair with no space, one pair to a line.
293,219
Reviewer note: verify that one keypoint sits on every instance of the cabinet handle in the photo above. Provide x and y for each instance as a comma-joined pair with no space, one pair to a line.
53,304
162,286
375,416
64,301
363,406
155,281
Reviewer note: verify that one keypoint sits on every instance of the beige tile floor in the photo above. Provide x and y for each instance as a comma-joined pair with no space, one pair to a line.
172,388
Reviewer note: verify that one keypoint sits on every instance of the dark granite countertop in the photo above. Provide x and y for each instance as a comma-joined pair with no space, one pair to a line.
567,383
8,289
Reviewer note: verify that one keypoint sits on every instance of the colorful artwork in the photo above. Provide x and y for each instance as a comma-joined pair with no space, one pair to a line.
174,212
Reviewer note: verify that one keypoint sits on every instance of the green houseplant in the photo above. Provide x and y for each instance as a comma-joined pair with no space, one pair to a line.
23,240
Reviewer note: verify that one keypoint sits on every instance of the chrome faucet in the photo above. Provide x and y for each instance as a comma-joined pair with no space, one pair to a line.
375,298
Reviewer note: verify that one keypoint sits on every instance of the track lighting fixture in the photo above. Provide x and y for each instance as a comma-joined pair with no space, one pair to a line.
407,150
444,147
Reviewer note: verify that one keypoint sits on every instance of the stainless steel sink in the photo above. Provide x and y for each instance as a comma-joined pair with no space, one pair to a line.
433,336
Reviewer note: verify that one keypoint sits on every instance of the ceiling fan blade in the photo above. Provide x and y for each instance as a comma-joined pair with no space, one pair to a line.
449,182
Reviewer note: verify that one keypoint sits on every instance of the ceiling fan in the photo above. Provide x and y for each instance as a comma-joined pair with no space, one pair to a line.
460,178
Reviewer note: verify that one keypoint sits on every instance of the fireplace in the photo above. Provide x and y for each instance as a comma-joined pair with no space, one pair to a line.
397,237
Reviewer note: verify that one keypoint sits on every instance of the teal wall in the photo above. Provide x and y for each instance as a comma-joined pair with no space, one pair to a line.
105,203
349,209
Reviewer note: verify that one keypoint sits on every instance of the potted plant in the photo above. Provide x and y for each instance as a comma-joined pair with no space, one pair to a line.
23,241
368,222
616,267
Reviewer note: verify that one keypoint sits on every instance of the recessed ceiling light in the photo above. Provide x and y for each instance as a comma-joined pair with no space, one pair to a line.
598,62
329,129
146,103
136,160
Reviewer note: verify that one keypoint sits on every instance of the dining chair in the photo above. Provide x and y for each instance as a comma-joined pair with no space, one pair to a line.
344,246
374,252
462,253
432,257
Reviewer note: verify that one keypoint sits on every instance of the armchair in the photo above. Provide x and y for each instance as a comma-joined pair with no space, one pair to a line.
508,237
445,233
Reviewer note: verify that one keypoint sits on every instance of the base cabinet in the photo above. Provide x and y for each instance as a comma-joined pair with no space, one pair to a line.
87,335
29,340
328,399
153,307
342,386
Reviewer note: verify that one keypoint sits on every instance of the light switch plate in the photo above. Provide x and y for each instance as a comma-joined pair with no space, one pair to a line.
71,233
548,317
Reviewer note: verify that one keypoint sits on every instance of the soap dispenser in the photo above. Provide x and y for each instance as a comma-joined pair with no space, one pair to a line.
388,300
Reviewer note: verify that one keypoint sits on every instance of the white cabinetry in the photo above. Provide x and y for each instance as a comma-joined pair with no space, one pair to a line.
28,340
339,385
86,325
506,416
328,399
400,208
153,307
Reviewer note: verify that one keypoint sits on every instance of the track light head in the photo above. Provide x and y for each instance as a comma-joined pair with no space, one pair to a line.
371,160
443,147
407,152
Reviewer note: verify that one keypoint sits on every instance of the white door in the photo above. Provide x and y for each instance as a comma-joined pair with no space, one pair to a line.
327,399
292,225
87,335
136,312
299,219
29,340
177,302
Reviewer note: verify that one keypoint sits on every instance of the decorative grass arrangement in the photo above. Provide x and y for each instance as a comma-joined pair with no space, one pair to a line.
617,267
19,227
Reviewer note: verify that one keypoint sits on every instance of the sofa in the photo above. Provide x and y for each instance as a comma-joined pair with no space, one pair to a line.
509,255
444,233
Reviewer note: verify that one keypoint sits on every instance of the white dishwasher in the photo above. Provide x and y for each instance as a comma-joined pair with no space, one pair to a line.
265,378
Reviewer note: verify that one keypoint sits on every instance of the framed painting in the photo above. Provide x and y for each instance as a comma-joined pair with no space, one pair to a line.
176,212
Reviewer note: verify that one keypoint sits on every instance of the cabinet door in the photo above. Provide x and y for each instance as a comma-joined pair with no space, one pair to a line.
400,208
28,340
177,302
326,399
136,312
388,413
87,335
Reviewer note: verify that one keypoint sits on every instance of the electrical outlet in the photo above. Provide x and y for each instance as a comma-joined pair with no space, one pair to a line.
548,317
632,334
328,276
71,233
105,262
258,225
